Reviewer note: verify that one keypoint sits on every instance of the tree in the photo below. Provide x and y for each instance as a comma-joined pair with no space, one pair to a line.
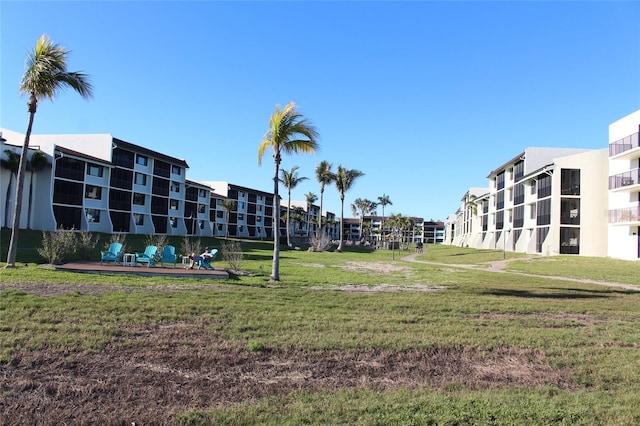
46,75
362,207
289,132
311,198
384,201
325,176
344,179
229,205
290,180
12,163
38,162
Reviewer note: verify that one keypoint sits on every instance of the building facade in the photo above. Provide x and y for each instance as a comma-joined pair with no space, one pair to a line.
624,188
552,201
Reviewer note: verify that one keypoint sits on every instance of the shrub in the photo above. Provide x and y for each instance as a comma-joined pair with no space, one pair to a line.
319,242
189,246
58,246
86,243
233,254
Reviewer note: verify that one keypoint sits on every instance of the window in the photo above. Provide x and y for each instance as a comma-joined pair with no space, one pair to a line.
500,180
92,215
544,186
141,179
160,168
534,187
544,212
142,160
121,178
174,222
119,200
93,192
570,211
175,170
174,204
138,199
65,192
70,168
122,158
175,187
569,240
202,193
201,208
138,219
240,217
93,170
570,181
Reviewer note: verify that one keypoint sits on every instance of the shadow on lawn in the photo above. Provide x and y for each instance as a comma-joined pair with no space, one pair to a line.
530,294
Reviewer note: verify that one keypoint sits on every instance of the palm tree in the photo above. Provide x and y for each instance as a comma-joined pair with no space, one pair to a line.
344,179
12,163
325,176
38,162
383,201
311,198
45,76
289,132
229,205
290,180
365,207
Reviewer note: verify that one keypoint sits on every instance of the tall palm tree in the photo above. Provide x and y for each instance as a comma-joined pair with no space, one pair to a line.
38,162
12,163
311,198
289,132
46,75
229,205
325,176
344,179
290,180
362,207
384,201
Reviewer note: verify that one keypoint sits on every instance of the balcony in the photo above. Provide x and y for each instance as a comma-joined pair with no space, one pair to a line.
625,149
629,216
627,181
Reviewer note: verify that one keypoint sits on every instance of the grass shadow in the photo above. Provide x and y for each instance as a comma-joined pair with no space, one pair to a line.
534,295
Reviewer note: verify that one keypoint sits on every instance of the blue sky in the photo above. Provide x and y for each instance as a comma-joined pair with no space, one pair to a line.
424,97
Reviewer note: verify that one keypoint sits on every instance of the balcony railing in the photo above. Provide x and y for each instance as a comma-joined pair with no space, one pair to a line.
629,178
625,215
623,145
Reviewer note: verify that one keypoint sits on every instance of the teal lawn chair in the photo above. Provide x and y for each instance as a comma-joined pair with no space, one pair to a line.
113,254
206,263
148,257
168,255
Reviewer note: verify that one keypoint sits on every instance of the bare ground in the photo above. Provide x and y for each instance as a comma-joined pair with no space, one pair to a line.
157,374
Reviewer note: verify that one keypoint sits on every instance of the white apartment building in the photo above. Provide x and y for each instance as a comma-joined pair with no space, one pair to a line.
624,188
546,201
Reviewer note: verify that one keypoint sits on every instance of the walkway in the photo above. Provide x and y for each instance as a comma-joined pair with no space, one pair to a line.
500,265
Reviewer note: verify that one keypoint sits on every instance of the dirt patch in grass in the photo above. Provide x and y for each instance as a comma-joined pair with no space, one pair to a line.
381,288
154,374
379,267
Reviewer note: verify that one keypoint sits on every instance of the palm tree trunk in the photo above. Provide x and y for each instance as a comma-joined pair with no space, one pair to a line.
341,223
320,216
275,267
17,209
288,220
30,200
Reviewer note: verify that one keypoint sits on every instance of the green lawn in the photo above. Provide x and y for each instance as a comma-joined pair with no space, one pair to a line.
571,350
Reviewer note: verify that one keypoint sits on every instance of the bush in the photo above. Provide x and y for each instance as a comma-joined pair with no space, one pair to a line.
319,242
232,253
58,246
86,244
189,246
